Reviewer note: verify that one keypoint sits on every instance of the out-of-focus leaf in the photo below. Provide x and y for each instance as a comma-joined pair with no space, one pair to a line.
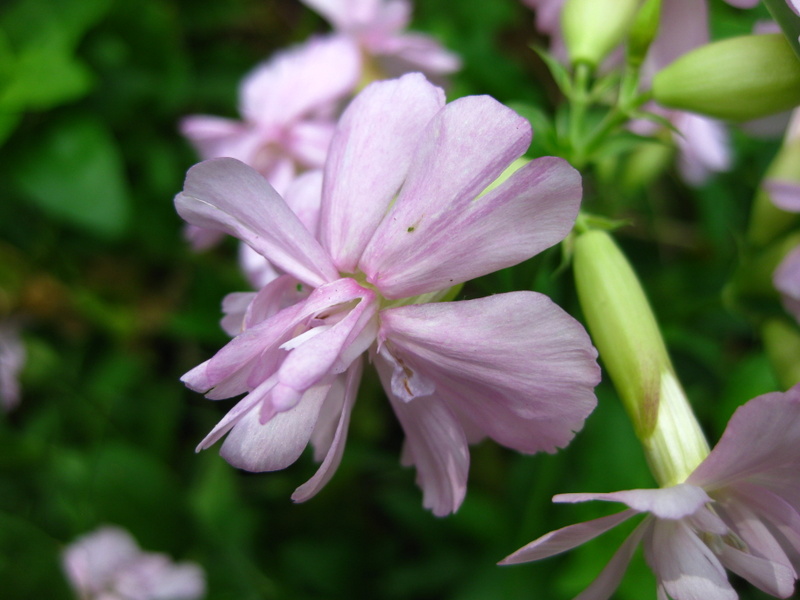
75,174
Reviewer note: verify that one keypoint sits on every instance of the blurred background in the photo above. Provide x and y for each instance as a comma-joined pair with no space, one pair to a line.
113,307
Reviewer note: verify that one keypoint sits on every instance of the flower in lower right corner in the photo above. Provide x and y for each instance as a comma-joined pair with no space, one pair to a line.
739,509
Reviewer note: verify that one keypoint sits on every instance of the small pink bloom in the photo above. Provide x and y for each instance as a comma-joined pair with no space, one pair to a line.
288,105
378,27
401,222
107,564
738,510
12,359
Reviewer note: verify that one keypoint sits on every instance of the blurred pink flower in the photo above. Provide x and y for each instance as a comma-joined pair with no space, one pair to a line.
737,510
401,222
288,105
107,564
378,27
12,359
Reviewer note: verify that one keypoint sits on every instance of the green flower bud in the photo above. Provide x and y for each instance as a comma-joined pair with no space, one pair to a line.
593,28
643,31
628,339
739,78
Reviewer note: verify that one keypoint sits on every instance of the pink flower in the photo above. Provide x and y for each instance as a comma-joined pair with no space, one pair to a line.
107,564
737,510
402,220
12,359
378,29
288,105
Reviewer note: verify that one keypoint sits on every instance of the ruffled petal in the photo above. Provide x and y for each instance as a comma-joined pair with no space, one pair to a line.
671,503
761,445
369,159
566,538
309,142
435,445
300,82
422,248
514,366
278,443
683,564
345,388
228,195
234,307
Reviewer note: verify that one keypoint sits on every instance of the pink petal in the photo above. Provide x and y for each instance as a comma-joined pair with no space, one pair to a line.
228,195
672,503
774,578
304,197
434,444
257,269
347,388
774,510
329,352
92,561
409,52
514,366
683,26
346,14
309,142
12,360
684,565
214,137
787,281
369,159
300,82
420,247
704,147
784,194
608,581
278,443
234,307
566,538
761,445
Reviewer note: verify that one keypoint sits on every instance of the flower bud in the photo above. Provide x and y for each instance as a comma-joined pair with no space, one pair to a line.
628,339
739,78
593,28
643,31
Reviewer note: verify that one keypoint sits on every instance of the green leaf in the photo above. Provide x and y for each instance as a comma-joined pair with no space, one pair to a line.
75,174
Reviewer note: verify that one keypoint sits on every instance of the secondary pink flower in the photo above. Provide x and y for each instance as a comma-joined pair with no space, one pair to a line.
107,564
378,27
12,359
402,220
288,105
738,510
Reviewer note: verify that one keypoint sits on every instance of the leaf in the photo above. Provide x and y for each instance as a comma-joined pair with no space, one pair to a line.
75,174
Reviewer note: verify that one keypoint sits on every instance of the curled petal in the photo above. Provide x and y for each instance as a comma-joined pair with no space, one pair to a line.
772,577
276,444
344,389
228,195
513,366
